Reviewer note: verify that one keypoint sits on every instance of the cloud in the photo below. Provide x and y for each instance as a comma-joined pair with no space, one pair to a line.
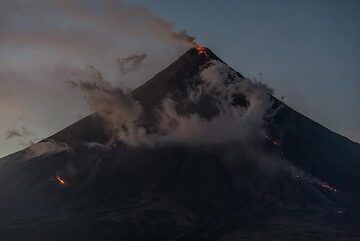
131,63
120,110
238,121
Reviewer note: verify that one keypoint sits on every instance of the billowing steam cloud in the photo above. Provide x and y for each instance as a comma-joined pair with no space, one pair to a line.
131,63
233,122
118,108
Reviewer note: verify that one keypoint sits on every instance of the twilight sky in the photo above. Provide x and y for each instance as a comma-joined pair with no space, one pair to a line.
308,51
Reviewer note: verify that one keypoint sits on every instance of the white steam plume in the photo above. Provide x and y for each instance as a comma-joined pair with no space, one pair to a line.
115,106
233,123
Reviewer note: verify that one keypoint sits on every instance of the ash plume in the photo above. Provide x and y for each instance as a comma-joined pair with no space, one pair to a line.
184,36
131,63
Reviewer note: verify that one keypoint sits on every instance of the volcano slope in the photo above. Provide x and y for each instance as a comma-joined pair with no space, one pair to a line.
217,158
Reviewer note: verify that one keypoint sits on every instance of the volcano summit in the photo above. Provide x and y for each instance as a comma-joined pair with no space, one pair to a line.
198,152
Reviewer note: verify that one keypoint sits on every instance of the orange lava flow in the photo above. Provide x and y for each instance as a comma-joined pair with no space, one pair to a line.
60,180
201,51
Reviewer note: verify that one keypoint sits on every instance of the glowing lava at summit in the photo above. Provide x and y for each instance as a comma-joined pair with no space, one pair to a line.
201,51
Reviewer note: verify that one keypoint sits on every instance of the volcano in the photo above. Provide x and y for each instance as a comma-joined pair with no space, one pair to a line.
286,178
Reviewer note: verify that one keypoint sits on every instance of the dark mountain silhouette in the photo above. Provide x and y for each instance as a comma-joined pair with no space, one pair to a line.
221,191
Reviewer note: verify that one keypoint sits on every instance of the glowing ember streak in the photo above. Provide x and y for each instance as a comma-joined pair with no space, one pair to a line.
327,186
201,51
319,183
275,142
60,180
